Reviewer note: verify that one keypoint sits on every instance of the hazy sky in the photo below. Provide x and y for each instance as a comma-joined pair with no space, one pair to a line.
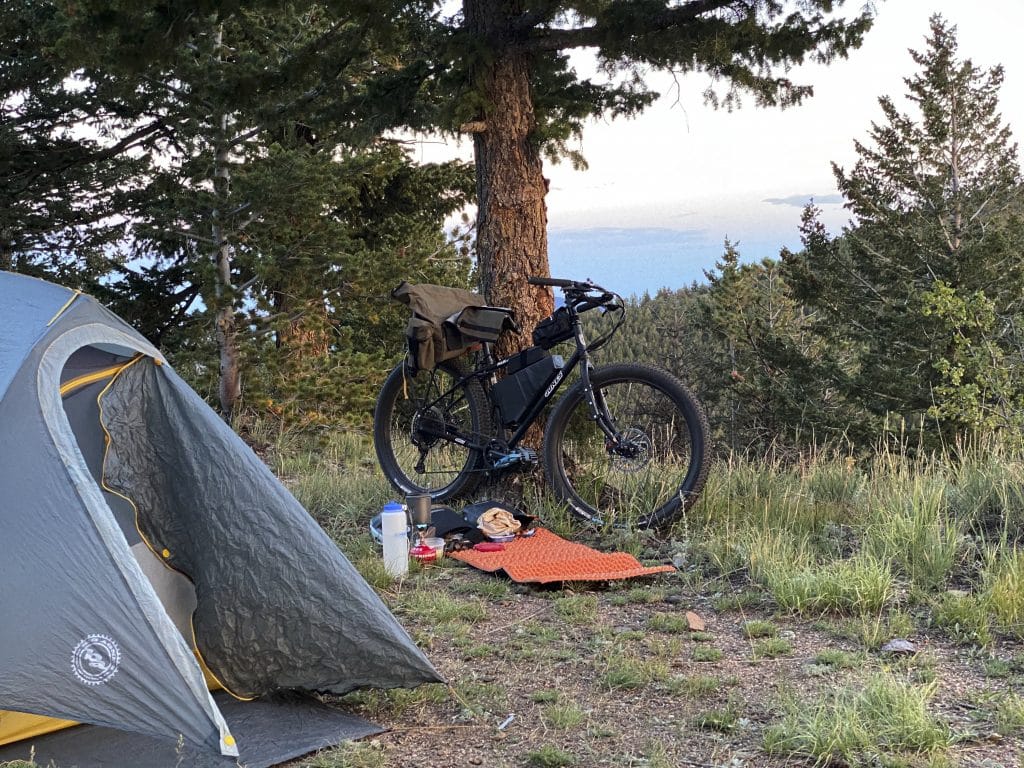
664,189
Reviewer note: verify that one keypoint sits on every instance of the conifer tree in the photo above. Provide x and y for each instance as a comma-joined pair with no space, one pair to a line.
774,400
64,185
918,297
273,203
501,70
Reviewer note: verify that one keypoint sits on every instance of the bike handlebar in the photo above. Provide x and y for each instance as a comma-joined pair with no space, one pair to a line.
553,282
580,294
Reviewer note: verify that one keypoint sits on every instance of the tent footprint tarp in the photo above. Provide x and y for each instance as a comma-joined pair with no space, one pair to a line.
268,733
119,563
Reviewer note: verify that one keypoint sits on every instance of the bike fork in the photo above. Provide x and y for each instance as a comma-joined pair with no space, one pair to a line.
598,407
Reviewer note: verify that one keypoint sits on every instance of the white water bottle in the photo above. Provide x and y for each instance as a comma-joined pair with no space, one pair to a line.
395,534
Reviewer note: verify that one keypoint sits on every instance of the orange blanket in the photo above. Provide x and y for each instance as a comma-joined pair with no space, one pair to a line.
546,557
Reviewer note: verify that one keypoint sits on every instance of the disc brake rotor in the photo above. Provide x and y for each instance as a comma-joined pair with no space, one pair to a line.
633,451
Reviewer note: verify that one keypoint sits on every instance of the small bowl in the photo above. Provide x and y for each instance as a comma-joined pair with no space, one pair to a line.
503,538
423,553
437,544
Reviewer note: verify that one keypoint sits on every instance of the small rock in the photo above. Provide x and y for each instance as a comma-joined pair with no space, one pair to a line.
674,599
475,761
787,634
899,647
695,622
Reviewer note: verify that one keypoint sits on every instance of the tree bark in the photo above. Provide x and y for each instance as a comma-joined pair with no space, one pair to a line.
512,216
230,388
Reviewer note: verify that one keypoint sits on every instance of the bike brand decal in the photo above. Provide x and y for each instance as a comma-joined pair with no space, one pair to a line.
554,384
95,659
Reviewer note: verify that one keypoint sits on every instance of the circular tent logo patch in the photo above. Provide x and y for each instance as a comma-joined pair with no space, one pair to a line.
95,660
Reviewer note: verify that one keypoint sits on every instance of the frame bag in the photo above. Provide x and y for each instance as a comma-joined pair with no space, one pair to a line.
526,376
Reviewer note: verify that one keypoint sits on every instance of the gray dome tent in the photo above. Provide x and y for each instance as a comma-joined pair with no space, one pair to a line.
141,542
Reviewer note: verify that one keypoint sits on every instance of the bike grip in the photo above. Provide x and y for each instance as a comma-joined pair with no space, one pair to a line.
554,282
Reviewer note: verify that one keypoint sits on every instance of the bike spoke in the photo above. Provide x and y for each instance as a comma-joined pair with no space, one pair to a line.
416,429
642,469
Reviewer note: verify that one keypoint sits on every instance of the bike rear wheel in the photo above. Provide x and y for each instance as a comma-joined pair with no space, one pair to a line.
659,466
412,414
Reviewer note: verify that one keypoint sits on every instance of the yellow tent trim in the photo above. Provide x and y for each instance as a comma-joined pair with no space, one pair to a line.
15,726
80,381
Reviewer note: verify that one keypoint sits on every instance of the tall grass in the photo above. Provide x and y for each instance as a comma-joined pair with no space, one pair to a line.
886,718
910,526
859,585
826,535
1003,589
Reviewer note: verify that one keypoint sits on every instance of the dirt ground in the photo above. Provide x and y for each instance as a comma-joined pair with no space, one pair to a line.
612,675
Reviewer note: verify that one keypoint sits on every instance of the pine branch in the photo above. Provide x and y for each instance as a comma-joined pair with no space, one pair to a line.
128,142
581,37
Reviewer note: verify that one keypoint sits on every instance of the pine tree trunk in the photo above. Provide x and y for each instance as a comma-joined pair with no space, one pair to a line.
511,240
512,217
230,388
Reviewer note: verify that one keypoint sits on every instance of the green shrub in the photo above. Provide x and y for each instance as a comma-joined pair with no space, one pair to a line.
548,756
667,622
772,647
577,609
759,628
705,653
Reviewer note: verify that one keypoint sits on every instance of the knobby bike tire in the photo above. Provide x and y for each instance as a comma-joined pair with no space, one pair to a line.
452,471
660,480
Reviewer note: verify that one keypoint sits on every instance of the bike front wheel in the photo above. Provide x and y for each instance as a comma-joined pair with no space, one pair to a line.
410,423
654,468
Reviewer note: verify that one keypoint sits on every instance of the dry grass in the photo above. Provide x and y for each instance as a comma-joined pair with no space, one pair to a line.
801,573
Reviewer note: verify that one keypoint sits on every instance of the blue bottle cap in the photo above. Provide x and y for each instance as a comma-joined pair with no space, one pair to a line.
392,506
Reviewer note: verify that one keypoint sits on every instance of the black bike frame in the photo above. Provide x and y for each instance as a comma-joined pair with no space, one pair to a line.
598,411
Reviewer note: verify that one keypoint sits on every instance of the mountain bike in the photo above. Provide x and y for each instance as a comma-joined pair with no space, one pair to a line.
626,443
